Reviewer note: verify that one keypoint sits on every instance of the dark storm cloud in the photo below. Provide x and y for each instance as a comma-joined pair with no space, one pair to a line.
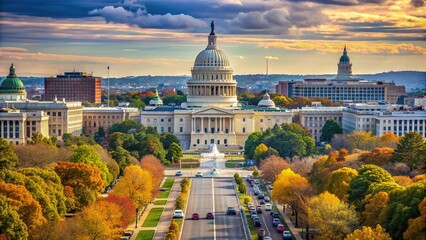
387,30
418,3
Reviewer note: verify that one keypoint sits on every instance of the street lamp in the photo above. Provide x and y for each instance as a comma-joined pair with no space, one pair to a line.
137,213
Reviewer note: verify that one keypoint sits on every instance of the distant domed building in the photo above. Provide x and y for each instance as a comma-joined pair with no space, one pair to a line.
156,100
212,114
344,67
11,87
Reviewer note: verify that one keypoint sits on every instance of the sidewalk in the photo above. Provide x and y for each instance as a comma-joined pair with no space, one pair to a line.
169,208
294,231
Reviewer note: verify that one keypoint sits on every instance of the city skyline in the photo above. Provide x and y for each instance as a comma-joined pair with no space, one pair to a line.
162,38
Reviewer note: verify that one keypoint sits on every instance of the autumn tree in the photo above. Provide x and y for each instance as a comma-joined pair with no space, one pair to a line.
388,139
106,157
82,182
375,209
11,225
174,153
8,158
251,143
368,233
38,138
293,189
88,154
40,155
333,218
378,156
403,180
330,128
126,207
417,226
362,140
281,101
154,166
271,167
338,182
411,150
136,184
343,152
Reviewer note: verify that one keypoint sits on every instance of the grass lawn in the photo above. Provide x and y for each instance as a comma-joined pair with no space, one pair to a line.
235,158
164,194
153,217
145,235
168,183
234,164
160,202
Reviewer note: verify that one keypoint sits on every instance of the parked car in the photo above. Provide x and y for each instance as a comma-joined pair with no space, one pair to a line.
210,215
275,215
257,223
178,213
253,216
215,171
268,207
261,196
262,201
280,228
267,238
267,199
199,174
259,209
286,235
231,211
275,222
261,233
253,211
256,181
250,204
256,193
195,216
178,173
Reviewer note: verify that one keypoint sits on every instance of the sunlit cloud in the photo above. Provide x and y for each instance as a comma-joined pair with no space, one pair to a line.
240,57
271,58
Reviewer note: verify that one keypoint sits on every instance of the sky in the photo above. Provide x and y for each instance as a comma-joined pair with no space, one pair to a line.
163,37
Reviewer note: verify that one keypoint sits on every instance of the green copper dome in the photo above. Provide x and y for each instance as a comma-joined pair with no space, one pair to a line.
12,84
344,58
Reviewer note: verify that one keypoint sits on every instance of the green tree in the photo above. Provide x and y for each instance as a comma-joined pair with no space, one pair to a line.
11,225
411,150
125,126
137,103
38,138
251,143
8,158
242,188
167,139
174,153
330,128
151,145
88,154
417,226
176,99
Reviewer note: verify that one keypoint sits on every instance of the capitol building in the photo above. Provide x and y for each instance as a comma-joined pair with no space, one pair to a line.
212,114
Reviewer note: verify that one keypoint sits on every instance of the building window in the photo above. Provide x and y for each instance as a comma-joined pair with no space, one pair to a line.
59,114
244,129
162,120
244,119
261,120
225,141
181,120
54,114
169,120
181,129
162,129
218,142
198,141
169,129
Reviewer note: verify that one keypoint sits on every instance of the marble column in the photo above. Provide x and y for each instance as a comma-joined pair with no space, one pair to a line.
209,129
202,125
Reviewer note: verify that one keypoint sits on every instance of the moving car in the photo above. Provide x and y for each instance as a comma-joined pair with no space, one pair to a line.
275,215
256,181
199,174
262,201
259,209
280,228
253,216
267,238
275,222
257,223
253,211
210,215
268,207
195,216
286,235
215,171
178,173
261,196
250,205
267,199
178,213
261,233
231,211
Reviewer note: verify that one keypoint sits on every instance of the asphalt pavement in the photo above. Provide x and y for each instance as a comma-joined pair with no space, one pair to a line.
212,195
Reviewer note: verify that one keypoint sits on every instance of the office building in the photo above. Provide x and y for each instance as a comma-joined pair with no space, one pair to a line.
105,117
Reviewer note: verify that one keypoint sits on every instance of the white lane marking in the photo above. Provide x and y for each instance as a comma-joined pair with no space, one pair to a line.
214,212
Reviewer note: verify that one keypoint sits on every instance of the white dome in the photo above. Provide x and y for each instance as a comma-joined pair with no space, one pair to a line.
211,57
266,102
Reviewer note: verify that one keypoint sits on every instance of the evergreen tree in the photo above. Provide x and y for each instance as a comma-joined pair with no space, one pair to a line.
410,150
330,128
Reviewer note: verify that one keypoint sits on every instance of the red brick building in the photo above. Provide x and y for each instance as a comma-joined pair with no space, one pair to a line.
73,86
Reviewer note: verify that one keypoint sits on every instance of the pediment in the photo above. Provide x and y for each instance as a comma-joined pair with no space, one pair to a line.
213,111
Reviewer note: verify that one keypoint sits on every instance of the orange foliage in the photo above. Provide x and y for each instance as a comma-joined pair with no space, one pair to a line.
417,226
271,167
419,177
375,209
403,180
127,208
154,166
377,156
342,154
388,139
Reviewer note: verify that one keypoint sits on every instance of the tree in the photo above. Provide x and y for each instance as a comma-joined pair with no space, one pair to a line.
281,101
174,153
88,154
378,156
271,167
338,182
136,184
330,128
154,166
362,140
38,138
368,233
411,150
167,139
375,209
126,207
332,217
150,144
403,180
260,152
388,139
82,183
11,225
242,188
343,152
255,172
106,157
251,143
176,99
367,175
417,226
8,158
291,188
21,201
40,155
125,126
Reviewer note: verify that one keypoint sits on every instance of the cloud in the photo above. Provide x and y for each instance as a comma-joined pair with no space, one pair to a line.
418,3
240,57
142,19
271,58
345,2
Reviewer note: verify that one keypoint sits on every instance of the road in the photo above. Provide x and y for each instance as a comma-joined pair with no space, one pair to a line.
265,217
215,195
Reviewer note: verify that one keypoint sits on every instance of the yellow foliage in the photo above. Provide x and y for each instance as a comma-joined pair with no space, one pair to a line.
288,186
417,226
375,209
403,180
338,182
368,233
419,177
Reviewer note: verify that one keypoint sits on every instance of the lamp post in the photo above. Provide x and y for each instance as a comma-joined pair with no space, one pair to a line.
137,213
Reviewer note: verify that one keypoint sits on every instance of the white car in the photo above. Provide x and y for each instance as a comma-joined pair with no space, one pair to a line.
268,207
286,235
250,205
178,213
215,171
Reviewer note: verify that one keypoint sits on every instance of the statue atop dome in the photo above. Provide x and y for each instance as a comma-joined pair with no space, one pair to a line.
212,27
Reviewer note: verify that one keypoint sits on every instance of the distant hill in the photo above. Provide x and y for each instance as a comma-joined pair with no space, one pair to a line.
413,80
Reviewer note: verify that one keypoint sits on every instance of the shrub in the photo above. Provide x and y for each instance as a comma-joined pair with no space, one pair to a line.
255,172
247,199
171,236
236,175
242,188
239,180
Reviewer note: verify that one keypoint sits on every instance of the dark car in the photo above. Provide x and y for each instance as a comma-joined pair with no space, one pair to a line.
261,233
210,215
195,216
275,215
280,228
253,211
275,222
267,199
259,209
256,193
178,173
231,211
260,196
257,223
262,202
